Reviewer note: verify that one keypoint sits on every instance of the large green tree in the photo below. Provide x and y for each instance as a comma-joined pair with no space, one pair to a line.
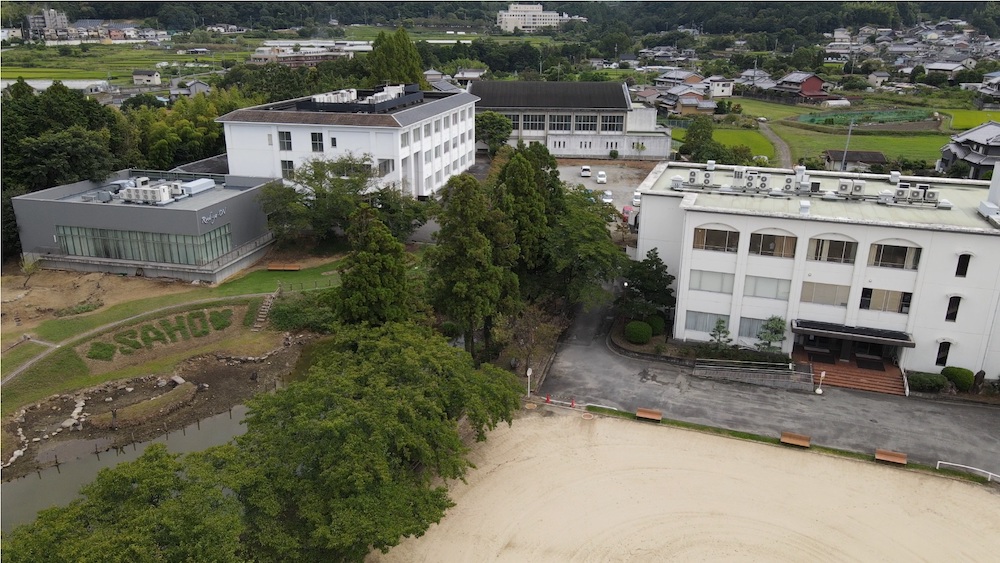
647,286
353,457
464,281
524,204
395,60
373,284
157,508
493,129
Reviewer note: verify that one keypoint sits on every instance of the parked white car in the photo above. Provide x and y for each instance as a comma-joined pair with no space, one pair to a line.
602,177
585,171
607,196
636,199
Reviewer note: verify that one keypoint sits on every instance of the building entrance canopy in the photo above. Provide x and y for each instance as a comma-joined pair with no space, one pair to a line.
854,333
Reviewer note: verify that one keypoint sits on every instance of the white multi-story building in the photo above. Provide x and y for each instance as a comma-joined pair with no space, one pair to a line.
576,119
417,140
883,267
530,18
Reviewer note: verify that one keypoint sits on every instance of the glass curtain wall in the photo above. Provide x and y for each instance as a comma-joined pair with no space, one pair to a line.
145,247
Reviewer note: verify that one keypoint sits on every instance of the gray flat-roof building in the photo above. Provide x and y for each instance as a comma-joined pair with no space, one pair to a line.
194,227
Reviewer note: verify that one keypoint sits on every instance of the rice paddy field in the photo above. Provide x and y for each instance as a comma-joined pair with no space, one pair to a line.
968,118
757,142
804,144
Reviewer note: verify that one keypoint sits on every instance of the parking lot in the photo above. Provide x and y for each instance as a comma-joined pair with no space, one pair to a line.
623,177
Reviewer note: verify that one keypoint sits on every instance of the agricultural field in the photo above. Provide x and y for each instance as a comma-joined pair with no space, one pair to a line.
962,119
804,144
771,110
114,62
757,142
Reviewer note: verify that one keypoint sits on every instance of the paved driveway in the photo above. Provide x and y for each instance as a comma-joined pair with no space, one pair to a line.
587,371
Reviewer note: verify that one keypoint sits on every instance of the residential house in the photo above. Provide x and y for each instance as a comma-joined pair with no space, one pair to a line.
576,119
978,147
416,139
433,75
853,161
146,77
676,77
878,78
466,75
192,89
803,85
720,87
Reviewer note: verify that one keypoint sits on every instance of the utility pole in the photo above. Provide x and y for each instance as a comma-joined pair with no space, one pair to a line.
843,161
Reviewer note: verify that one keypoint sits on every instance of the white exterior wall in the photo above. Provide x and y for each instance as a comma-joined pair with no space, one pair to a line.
639,130
254,149
974,336
722,89
527,17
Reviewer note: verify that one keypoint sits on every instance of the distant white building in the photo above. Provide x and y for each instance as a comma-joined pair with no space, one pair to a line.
866,269
417,140
530,18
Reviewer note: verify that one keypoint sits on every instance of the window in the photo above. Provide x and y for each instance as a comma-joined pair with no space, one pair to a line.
514,120
750,328
437,151
942,354
711,239
560,122
772,245
287,169
888,256
886,300
317,142
385,166
447,169
953,304
703,322
427,130
611,144
404,139
533,122
825,294
586,123
447,121
963,265
427,156
285,140
416,134
145,246
447,146
333,142
769,288
612,123
711,281
270,140
454,143
462,137
824,250
437,125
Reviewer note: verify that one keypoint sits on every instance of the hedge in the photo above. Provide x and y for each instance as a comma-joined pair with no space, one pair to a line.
638,332
710,351
926,382
657,323
961,377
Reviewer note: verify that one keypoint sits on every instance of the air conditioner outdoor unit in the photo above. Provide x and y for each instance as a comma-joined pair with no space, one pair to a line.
707,181
923,186
789,180
738,172
902,194
844,186
707,178
750,182
858,188
692,177
916,195
904,185
764,180
932,196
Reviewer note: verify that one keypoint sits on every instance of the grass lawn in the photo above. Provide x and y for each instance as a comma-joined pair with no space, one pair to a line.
770,110
18,355
757,142
969,118
805,144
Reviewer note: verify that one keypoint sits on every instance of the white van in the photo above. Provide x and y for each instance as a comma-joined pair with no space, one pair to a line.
585,171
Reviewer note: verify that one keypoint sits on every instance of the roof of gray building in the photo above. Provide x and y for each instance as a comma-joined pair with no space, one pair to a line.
986,134
563,95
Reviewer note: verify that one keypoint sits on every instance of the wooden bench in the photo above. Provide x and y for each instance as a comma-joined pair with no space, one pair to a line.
648,414
794,439
890,456
278,267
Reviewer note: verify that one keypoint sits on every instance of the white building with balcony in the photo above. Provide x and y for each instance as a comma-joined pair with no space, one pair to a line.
862,267
418,140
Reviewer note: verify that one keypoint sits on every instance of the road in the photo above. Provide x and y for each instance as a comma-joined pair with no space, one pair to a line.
586,370
781,151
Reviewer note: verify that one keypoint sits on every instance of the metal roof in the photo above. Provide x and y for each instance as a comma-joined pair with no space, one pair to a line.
556,95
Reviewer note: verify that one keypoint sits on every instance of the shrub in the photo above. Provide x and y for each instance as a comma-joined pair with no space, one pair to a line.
220,319
961,377
102,351
926,382
711,351
450,329
657,323
638,332
613,154
301,312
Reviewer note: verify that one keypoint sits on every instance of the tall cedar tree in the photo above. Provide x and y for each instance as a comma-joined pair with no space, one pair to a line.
373,286
395,60
499,229
649,287
464,281
526,211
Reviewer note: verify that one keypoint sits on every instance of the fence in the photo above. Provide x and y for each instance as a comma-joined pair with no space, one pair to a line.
781,376
989,475
874,116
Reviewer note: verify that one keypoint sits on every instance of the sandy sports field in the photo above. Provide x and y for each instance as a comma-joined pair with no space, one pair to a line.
559,487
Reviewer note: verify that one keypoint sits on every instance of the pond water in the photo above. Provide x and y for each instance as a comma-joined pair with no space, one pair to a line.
57,486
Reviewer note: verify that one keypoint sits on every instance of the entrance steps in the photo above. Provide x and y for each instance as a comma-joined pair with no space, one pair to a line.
262,313
851,377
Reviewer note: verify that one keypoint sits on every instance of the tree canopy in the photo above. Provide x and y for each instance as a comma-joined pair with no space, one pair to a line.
493,129
373,284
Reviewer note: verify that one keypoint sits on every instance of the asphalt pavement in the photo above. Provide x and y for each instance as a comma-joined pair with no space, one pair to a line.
586,370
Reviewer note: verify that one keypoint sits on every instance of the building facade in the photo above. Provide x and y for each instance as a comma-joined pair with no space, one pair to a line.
194,227
898,268
978,147
530,18
576,119
417,140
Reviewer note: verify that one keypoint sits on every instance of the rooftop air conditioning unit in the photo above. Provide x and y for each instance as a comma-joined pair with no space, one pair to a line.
738,172
710,165
916,195
750,182
858,189
923,186
932,196
693,177
894,177
902,194
789,184
707,178
764,181
844,186
142,181
904,185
